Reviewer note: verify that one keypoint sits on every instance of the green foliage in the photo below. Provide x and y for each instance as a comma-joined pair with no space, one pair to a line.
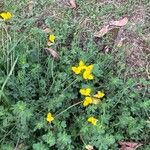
39,146
39,84
49,139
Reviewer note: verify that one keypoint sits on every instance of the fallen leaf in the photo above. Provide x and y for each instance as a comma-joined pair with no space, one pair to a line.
120,38
148,121
119,23
106,49
129,145
148,74
54,54
95,100
126,148
20,146
30,5
102,31
49,43
73,3
110,26
47,30
89,147
1,5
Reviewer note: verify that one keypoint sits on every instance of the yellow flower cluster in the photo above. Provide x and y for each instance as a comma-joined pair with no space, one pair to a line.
86,70
6,15
89,99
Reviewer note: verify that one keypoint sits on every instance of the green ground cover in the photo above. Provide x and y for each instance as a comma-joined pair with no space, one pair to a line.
34,81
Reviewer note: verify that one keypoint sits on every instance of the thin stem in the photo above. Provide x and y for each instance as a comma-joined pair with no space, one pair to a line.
69,85
69,108
16,147
2,88
60,94
82,140
8,133
7,46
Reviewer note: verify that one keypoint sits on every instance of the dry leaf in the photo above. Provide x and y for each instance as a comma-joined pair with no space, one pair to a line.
54,54
111,25
95,100
129,145
126,148
73,3
102,32
47,30
119,23
89,147
148,121
20,146
30,5
49,43
106,49
120,43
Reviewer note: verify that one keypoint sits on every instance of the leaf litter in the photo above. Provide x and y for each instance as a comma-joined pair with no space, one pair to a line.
52,52
67,3
129,145
111,25
72,3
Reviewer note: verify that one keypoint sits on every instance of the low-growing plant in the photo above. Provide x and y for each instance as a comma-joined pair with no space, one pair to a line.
80,99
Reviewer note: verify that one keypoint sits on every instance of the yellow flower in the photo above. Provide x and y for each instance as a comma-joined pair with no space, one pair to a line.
85,92
50,118
92,120
99,94
6,15
82,65
77,70
89,68
87,101
52,38
87,75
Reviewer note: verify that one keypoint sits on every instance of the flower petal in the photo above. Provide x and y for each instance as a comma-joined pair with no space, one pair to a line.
89,68
85,92
99,94
95,100
6,15
88,75
87,101
92,120
76,70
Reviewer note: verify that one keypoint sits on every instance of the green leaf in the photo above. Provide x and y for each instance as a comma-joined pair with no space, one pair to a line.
49,138
39,146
